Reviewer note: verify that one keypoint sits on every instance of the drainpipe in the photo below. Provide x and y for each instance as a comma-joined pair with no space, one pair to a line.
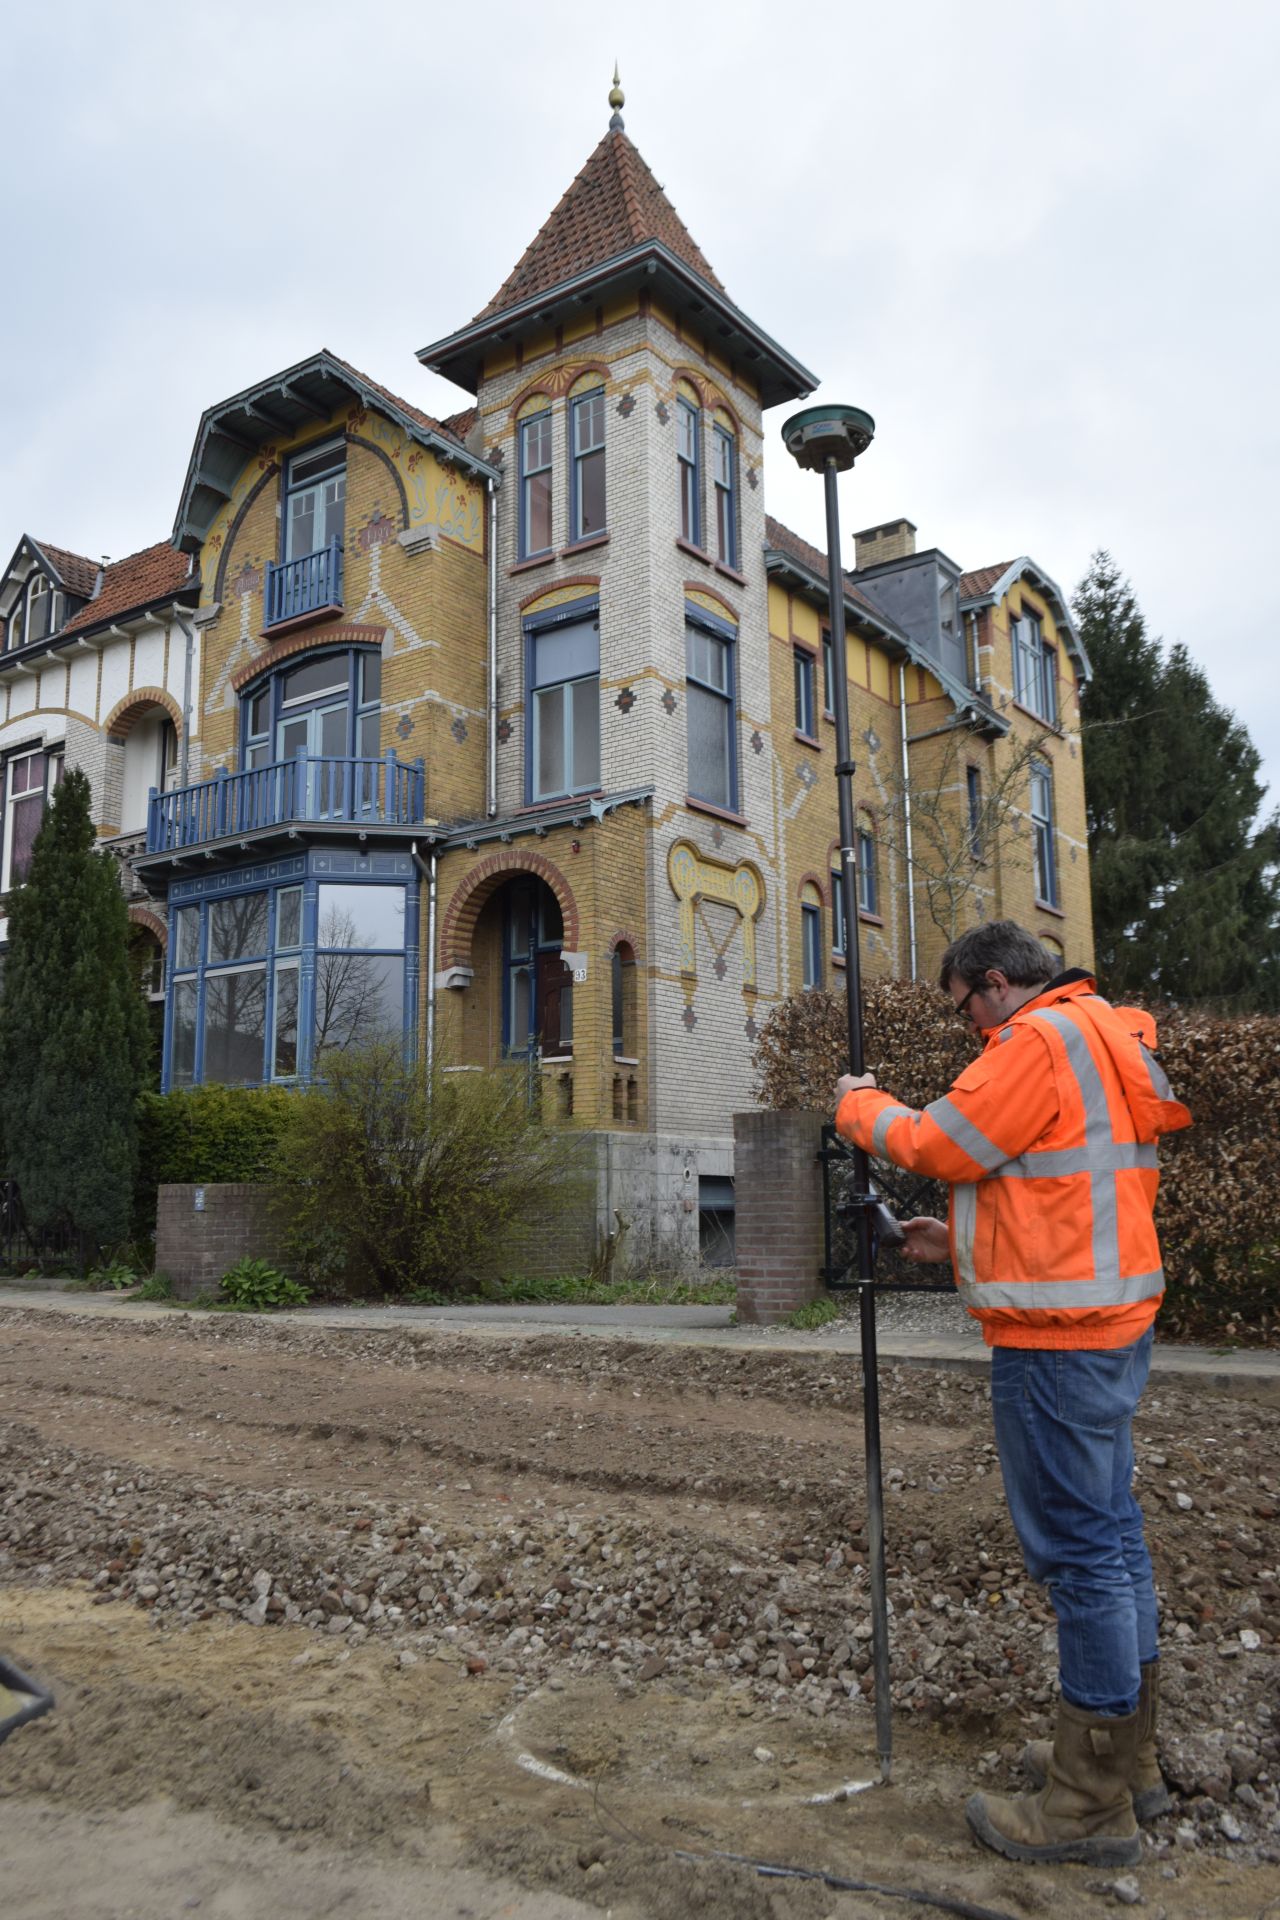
975,678
184,752
491,717
428,869
906,812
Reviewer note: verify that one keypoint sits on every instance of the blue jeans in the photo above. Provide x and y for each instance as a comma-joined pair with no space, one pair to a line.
1064,1434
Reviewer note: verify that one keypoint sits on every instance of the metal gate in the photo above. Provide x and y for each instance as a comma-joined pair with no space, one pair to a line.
907,1195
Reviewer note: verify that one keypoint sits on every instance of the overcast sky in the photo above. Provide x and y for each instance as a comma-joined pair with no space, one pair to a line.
1037,241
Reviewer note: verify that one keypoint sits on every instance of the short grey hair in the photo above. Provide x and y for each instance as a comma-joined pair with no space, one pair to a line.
1002,945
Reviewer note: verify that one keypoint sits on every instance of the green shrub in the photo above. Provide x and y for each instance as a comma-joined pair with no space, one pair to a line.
255,1286
204,1135
814,1313
156,1286
390,1181
115,1278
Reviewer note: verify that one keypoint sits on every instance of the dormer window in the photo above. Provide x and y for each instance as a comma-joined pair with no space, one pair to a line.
40,610
1035,668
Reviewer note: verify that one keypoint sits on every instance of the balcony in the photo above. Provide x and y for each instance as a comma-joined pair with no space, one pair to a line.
335,791
298,587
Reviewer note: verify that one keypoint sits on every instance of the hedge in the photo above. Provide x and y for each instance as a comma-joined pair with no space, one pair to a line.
204,1135
1216,1213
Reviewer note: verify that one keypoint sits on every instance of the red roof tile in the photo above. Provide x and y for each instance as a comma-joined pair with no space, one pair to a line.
77,574
814,558
981,580
442,427
156,573
612,205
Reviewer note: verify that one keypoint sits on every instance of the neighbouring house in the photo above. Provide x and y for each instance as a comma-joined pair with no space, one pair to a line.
509,734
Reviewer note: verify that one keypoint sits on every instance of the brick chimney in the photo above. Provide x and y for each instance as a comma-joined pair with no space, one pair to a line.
893,540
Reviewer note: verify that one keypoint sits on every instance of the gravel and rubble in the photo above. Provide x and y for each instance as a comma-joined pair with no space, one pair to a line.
544,1510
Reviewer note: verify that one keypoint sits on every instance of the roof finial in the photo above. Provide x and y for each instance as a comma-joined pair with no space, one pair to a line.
617,100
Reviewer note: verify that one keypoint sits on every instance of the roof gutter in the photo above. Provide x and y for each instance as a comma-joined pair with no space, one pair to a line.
565,813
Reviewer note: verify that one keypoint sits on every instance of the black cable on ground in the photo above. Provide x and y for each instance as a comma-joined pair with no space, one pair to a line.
838,1883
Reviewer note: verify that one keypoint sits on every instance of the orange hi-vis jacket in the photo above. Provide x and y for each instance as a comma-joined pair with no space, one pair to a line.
1049,1144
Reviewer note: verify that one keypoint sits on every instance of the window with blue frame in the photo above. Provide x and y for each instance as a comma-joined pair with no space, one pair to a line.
266,981
811,938
725,475
563,702
710,696
328,706
806,718
586,429
868,868
688,469
537,1007
313,521
535,438
828,675
837,914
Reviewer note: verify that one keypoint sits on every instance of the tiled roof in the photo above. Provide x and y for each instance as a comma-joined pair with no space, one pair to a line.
77,574
442,427
784,541
460,424
614,204
154,574
981,580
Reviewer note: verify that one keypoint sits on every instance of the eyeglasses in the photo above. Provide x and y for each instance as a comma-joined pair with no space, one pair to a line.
963,1005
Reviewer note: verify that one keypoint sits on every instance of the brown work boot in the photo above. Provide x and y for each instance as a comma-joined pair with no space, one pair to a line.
1151,1797
1083,1812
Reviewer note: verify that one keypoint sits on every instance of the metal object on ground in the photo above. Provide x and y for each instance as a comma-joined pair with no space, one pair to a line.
21,1699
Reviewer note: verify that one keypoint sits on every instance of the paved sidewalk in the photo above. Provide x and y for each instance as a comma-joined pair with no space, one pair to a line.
950,1339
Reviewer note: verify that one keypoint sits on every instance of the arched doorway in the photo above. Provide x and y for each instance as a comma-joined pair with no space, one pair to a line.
537,986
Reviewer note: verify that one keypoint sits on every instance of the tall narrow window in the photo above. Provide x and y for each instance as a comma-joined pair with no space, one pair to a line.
1042,832
713,772
564,698
538,998
837,914
624,1002
725,475
44,608
828,674
1035,668
868,868
315,500
29,780
688,433
973,794
587,514
811,937
806,719
535,484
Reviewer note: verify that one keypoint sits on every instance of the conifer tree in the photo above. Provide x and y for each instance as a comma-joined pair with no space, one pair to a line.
73,1039
1186,896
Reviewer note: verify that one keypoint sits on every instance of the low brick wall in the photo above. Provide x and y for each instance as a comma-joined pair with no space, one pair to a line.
201,1231
778,1178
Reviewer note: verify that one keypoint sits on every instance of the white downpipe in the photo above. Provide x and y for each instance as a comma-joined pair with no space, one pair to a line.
491,716
906,812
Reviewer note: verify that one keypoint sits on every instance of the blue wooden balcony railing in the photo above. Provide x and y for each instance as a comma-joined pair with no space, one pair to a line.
312,788
296,587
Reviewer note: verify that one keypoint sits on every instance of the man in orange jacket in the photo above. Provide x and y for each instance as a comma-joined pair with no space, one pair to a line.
1048,1142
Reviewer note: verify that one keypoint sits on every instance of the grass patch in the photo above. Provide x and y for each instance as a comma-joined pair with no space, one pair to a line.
582,1291
815,1313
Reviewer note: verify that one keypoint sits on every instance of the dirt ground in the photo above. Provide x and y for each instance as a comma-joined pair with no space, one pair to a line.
412,1623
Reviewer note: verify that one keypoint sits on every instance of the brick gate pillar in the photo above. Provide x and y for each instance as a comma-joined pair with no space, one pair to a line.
777,1179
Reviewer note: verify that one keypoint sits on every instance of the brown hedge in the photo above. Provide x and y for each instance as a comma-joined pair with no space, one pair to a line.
1216,1213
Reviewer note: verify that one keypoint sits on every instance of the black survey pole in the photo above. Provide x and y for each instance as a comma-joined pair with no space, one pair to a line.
828,440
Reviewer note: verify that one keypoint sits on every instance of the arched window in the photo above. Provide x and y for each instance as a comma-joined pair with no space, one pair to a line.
810,936
689,461
328,706
724,474
624,1002
534,437
586,446
537,1011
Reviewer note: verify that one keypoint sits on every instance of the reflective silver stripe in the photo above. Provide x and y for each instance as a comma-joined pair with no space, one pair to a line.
963,1134
880,1132
1063,1293
964,1219
1051,1163
1159,1078
1005,1033
1098,1142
